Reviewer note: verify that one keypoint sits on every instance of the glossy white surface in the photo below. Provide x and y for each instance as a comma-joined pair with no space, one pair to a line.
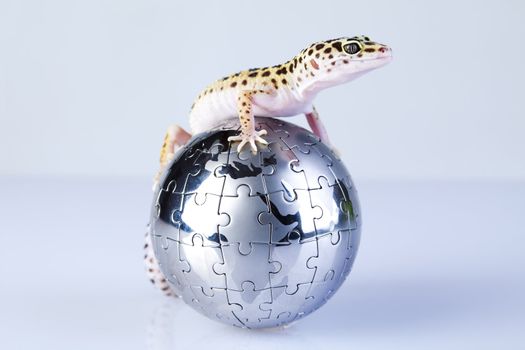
440,266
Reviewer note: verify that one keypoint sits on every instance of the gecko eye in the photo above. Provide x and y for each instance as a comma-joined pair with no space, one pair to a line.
352,48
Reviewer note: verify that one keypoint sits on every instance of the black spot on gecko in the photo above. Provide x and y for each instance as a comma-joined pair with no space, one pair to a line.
281,71
337,46
319,46
266,73
234,84
327,50
254,74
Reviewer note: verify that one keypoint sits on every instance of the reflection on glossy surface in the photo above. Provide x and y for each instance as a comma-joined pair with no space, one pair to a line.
256,240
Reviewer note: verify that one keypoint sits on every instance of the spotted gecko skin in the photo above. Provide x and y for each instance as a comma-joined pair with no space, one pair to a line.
282,90
285,89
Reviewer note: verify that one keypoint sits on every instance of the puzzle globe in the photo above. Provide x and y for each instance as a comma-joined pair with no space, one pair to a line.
256,240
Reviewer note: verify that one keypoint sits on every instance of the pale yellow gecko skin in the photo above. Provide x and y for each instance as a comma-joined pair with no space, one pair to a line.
282,90
285,89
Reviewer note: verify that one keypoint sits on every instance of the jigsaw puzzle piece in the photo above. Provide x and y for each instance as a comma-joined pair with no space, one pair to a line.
204,178
292,256
174,178
281,161
255,266
244,228
215,303
336,210
333,161
332,252
250,298
318,295
303,163
287,216
209,141
303,141
284,307
170,263
200,260
196,207
167,198
244,168
275,126
161,246
166,208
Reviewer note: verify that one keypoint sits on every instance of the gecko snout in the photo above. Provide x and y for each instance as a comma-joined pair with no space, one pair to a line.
384,52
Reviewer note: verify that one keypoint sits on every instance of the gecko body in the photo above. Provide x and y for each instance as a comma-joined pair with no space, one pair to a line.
286,89
282,90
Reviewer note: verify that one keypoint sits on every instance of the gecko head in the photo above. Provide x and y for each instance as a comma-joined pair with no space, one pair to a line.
336,61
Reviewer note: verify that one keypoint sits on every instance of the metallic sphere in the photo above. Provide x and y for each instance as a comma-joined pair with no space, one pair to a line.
256,240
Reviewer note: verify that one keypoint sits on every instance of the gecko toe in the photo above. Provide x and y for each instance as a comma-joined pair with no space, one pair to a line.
253,146
241,145
261,140
235,138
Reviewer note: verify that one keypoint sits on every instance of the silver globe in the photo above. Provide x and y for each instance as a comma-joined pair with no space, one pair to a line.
256,240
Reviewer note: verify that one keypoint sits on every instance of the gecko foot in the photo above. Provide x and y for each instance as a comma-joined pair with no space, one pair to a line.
249,139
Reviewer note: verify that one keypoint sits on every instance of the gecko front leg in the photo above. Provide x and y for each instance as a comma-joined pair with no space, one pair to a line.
248,133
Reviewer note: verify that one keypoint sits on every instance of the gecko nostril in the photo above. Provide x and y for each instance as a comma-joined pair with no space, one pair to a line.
382,50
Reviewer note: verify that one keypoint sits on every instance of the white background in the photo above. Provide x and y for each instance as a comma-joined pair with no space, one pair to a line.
89,87
434,141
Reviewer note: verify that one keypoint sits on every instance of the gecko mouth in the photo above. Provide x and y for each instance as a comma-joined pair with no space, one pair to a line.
369,60
389,57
